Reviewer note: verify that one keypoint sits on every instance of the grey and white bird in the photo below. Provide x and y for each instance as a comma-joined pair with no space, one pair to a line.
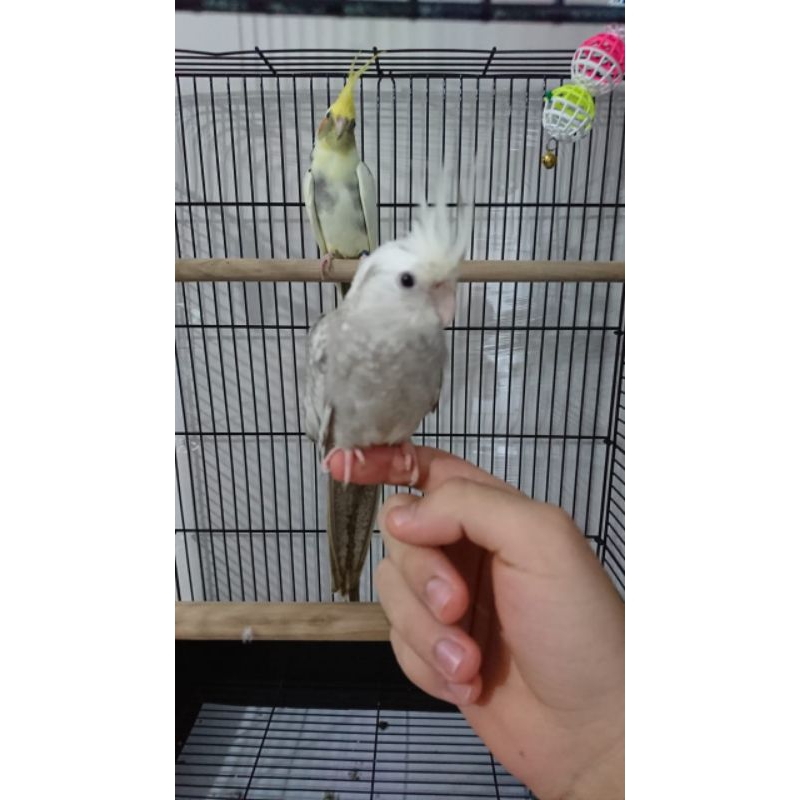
375,366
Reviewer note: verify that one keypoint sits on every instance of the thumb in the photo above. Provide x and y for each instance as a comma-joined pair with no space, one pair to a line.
395,502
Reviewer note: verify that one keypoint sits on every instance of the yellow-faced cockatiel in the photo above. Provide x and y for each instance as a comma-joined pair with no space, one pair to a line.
339,190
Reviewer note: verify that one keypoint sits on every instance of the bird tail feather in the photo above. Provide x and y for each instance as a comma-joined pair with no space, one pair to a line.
351,518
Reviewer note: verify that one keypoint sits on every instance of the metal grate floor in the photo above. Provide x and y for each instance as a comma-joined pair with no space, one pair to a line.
279,753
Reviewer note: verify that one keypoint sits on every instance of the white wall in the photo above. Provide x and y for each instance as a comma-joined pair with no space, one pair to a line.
211,31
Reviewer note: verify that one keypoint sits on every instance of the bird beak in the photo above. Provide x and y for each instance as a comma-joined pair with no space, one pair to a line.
340,125
443,294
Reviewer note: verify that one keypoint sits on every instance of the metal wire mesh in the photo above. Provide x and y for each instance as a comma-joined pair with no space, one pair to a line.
280,753
613,550
245,128
534,391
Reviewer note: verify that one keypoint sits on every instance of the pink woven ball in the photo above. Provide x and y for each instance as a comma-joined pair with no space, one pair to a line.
599,63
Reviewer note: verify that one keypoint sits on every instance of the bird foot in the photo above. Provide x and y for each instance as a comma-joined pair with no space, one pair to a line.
325,265
410,462
349,455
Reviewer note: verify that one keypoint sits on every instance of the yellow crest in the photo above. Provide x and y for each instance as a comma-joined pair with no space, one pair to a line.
345,104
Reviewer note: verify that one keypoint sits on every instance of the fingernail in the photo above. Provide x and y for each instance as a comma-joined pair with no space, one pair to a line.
461,692
438,593
449,655
402,515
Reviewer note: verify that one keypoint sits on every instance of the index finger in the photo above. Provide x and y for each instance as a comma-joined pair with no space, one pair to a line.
385,464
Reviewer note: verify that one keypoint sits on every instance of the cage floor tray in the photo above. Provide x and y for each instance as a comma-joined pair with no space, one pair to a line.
280,753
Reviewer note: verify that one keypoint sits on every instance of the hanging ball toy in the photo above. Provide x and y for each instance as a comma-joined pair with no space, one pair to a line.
568,113
599,63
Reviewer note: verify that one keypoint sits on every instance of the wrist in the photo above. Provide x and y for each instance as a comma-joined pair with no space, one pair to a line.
604,779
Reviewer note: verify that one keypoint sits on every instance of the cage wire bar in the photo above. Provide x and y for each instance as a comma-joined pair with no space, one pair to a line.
534,390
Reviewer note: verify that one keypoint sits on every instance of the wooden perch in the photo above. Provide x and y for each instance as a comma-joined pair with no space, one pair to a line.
308,270
349,622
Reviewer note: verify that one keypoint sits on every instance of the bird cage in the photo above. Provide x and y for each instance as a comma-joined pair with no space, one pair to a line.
534,392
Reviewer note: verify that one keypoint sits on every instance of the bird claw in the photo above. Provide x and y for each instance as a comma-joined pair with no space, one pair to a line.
349,455
410,463
326,264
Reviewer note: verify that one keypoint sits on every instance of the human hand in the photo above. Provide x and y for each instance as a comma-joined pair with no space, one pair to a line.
497,604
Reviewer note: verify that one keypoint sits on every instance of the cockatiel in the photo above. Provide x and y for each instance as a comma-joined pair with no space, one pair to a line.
339,190
375,366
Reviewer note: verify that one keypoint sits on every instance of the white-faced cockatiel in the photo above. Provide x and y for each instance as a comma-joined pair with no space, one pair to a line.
375,365
339,190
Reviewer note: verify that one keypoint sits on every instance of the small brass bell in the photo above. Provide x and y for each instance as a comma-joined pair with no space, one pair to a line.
549,159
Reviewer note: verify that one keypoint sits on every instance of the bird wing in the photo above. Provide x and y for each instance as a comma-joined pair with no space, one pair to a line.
369,202
311,210
317,407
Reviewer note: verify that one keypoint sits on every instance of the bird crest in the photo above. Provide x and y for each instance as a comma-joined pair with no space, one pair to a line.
345,105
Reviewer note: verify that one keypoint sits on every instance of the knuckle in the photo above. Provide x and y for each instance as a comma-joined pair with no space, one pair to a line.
414,564
455,487
411,665
437,472
561,520
382,574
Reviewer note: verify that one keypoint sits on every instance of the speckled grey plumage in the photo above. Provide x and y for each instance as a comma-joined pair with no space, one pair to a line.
372,377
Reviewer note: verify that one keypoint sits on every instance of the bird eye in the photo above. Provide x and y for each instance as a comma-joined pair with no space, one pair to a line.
407,280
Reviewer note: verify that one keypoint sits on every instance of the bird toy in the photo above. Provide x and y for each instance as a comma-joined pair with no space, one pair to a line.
599,63
597,68
568,112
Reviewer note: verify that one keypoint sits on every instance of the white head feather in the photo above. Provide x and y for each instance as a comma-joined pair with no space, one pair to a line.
435,246
436,239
